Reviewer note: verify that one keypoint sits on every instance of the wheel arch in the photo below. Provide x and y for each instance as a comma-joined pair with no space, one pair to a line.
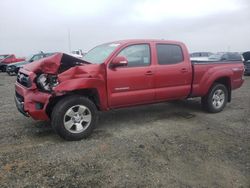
90,93
226,81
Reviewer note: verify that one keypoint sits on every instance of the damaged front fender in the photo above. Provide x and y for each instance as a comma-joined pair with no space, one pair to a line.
70,75
83,77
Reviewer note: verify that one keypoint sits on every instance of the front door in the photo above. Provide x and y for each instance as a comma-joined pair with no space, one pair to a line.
133,84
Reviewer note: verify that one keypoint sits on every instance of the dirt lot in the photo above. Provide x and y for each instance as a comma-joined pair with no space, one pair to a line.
163,145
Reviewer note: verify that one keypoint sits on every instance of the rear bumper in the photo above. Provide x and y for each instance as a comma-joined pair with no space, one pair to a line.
31,102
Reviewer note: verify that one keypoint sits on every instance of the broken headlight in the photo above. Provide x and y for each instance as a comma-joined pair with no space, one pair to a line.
46,82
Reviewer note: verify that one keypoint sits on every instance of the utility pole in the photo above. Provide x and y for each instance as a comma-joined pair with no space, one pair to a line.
69,40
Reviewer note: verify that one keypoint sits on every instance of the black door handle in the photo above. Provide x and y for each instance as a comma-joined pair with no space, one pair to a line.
148,73
184,70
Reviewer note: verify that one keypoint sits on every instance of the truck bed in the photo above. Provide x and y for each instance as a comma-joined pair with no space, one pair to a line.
204,73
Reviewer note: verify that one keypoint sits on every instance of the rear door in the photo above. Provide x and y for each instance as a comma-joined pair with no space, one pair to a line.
173,75
133,84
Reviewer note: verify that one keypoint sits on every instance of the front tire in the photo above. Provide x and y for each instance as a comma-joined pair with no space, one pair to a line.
216,100
74,117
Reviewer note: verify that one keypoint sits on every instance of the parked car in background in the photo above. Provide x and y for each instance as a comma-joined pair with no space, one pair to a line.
70,91
13,68
7,60
3,57
246,58
225,56
200,56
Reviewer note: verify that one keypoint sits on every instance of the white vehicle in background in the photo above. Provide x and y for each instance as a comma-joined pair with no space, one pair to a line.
78,53
200,56
226,56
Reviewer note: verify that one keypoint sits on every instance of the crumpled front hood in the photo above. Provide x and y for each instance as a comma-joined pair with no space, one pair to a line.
54,64
48,65
66,67
83,71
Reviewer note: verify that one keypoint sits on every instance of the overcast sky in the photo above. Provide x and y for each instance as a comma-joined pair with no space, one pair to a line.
28,26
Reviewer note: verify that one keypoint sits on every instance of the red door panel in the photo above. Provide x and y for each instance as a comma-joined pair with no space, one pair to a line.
172,82
128,86
173,75
133,84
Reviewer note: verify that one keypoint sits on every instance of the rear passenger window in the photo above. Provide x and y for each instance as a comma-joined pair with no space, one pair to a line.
169,54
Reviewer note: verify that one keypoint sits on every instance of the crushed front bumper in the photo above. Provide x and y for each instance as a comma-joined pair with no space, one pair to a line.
30,101
20,105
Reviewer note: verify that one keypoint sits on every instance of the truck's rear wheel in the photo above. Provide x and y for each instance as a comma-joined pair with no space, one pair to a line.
74,117
216,100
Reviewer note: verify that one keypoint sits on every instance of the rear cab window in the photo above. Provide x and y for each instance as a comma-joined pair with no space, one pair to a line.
168,54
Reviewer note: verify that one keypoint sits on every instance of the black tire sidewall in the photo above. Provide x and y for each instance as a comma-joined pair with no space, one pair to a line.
209,101
61,108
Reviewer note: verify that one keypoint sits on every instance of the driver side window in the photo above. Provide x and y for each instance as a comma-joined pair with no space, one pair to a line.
137,55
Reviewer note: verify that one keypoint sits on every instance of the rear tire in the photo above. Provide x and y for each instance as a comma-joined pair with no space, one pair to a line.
216,99
74,117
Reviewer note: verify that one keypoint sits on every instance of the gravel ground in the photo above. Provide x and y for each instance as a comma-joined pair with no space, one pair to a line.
164,145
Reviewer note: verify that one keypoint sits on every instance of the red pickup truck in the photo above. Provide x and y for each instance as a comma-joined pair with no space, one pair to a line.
70,91
8,59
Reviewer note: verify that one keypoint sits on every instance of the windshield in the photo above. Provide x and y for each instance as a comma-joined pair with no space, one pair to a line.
3,56
100,53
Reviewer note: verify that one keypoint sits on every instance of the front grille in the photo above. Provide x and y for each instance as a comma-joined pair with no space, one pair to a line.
23,79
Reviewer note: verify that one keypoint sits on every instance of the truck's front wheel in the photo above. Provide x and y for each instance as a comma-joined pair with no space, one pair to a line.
74,117
216,100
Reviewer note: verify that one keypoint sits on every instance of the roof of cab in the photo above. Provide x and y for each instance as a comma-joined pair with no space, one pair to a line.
146,41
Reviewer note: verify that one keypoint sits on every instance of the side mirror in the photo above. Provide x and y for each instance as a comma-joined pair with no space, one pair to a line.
119,61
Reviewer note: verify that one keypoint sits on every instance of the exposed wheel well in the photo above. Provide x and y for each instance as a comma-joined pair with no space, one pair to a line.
91,94
226,82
